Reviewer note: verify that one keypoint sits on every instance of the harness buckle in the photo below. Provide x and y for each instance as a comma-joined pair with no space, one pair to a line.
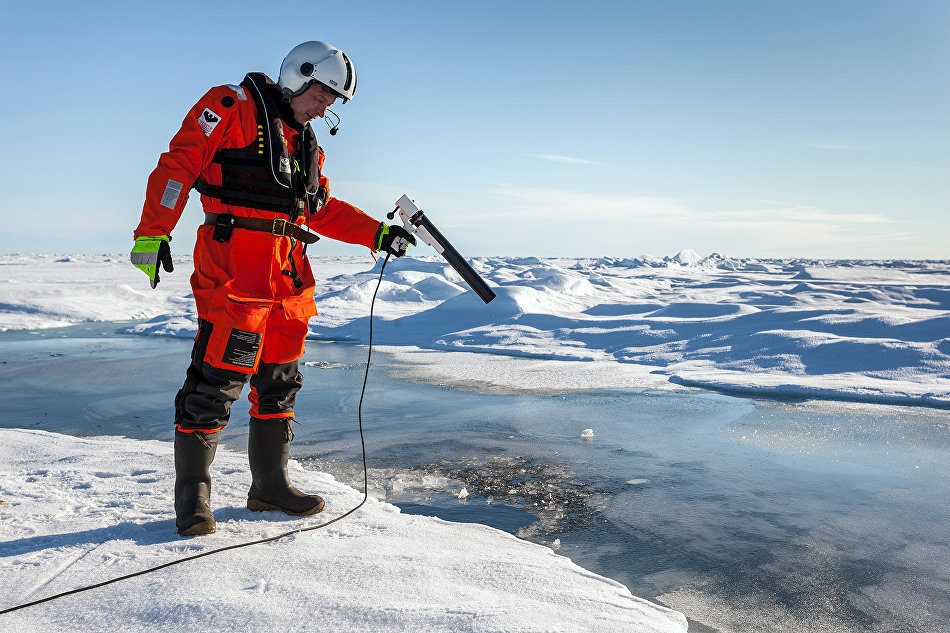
280,227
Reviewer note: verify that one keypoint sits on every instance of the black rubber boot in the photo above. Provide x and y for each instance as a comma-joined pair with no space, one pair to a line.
194,453
268,448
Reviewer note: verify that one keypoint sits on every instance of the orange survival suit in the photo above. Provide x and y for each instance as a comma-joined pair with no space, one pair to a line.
243,150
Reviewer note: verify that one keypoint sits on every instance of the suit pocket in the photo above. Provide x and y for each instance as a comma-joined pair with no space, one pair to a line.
299,307
239,324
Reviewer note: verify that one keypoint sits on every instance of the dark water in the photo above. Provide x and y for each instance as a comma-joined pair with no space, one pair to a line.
744,515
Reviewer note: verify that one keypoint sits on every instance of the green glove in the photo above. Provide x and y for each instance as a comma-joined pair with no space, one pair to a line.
395,240
148,252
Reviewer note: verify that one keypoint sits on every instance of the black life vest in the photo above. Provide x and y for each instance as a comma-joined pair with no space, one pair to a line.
263,175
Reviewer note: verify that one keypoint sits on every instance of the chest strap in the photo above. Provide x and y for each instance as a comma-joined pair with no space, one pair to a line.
224,223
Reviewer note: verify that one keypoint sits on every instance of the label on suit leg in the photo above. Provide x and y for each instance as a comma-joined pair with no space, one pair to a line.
242,348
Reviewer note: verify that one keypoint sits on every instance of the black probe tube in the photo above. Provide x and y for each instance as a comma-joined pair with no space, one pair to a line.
462,267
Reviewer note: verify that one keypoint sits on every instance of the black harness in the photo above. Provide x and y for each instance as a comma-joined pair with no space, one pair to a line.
263,175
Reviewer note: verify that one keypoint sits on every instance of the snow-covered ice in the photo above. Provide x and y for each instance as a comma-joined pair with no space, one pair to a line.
869,331
873,331
80,511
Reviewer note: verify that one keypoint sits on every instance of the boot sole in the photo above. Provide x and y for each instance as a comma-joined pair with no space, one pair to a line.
199,529
259,506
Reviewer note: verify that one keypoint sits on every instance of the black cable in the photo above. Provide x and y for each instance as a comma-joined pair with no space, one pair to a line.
359,415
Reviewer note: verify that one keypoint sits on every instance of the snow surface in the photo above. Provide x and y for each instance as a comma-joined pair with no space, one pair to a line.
80,511
872,331
77,511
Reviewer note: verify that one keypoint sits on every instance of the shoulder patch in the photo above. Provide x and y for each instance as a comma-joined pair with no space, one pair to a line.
208,120
239,91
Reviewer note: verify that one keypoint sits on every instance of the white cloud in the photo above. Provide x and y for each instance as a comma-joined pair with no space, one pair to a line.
801,214
533,202
565,159
840,147
645,224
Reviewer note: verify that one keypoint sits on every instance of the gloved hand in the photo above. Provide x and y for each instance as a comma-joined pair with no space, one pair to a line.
148,252
395,240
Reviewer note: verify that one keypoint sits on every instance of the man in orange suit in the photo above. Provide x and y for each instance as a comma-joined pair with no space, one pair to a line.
250,152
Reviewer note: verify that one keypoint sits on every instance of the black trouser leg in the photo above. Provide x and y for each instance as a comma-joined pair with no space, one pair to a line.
204,401
274,389
202,408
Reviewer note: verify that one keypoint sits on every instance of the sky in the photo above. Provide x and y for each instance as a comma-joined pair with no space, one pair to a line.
751,128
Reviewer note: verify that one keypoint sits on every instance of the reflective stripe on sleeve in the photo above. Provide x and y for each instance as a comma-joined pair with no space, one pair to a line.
170,196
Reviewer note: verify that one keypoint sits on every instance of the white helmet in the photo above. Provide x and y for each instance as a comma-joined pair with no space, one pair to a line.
320,62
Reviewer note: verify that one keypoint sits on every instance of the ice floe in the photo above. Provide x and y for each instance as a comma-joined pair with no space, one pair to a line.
874,331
